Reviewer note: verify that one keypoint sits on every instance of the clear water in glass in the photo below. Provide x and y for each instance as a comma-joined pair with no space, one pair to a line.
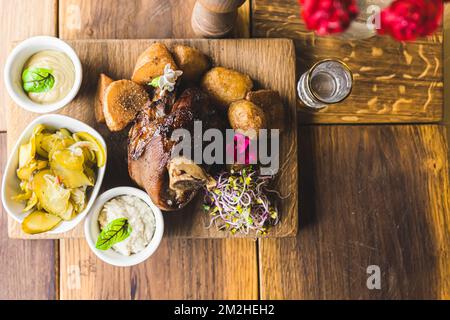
327,82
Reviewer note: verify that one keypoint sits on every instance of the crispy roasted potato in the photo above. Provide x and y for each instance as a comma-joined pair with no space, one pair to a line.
226,86
103,82
246,117
151,63
123,100
191,61
270,102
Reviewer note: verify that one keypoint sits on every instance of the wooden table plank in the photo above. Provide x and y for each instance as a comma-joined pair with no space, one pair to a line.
219,269
372,195
28,267
137,19
41,19
403,184
446,66
394,82
180,269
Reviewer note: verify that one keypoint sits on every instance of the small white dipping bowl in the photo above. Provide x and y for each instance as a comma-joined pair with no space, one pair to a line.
10,183
92,228
14,67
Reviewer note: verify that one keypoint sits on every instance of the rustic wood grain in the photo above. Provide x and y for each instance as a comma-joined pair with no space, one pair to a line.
394,82
28,267
243,22
23,260
373,195
180,269
412,195
14,27
446,66
137,19
117,58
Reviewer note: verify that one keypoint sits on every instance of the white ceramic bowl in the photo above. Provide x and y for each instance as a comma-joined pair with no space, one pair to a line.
92,228
14,67
10,183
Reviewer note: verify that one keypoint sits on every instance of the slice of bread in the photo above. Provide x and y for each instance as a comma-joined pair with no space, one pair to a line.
122,101
103,82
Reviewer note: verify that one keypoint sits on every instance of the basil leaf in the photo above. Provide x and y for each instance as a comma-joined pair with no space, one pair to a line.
115,232
155,82
37,80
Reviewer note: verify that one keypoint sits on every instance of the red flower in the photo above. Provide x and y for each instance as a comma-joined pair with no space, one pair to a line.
328,16
409,19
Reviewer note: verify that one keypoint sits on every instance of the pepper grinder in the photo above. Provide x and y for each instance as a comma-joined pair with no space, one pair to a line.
214,18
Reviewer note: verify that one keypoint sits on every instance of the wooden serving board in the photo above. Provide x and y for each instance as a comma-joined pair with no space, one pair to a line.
269,62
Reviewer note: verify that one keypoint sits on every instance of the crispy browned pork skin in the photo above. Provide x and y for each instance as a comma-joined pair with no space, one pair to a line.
150,147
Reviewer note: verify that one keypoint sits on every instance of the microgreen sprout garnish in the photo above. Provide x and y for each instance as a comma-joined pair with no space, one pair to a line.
240,203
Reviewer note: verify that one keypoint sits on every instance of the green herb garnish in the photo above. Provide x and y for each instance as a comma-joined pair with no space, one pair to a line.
116,231
155,82
37,80
242,203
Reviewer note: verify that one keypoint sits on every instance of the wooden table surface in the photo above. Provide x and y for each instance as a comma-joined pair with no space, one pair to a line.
371,193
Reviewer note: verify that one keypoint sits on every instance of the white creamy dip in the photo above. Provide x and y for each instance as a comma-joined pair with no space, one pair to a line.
140,217
63,72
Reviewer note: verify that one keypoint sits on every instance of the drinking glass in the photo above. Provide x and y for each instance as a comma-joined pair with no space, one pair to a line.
327,82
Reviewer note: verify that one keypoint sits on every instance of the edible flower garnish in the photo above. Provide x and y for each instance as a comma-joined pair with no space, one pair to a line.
240,203
242,150
167,81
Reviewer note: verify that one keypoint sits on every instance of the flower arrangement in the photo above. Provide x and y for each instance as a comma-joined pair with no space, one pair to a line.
404,20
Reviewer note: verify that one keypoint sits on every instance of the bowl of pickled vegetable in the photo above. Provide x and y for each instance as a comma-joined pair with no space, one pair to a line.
54,174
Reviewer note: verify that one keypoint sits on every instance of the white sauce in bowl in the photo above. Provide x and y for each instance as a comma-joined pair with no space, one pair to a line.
140,217
63,72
